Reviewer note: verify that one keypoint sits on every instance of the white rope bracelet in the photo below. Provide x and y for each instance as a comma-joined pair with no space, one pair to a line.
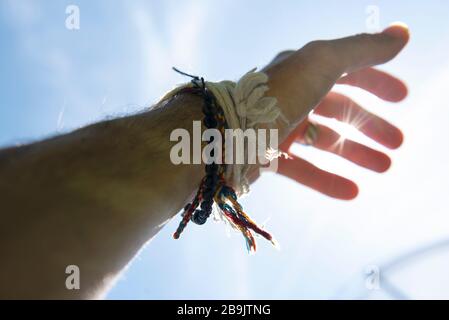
245,107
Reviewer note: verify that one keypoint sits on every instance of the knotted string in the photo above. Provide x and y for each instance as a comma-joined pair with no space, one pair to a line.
244,107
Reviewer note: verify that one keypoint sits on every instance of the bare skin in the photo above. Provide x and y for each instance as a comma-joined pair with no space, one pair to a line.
93,197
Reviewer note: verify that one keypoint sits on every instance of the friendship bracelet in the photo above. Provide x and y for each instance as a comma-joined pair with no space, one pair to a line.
243,105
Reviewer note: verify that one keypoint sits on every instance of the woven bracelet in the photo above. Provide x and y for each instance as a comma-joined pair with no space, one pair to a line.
213,188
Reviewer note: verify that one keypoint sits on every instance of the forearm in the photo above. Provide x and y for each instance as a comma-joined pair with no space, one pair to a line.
90,198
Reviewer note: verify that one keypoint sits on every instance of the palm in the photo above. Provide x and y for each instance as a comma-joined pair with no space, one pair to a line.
343,109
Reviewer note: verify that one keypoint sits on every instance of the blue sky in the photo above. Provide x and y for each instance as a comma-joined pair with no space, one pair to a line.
54,80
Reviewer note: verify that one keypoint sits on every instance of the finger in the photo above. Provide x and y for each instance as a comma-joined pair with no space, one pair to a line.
322,181
330,141
298,131
379,83
342,108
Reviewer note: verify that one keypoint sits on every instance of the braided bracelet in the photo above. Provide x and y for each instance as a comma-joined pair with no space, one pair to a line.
214,188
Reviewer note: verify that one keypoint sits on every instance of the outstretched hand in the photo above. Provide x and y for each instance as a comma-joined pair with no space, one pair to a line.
301,80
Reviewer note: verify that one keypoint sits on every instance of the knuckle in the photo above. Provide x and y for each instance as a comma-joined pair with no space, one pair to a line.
323,55
320,48
282,56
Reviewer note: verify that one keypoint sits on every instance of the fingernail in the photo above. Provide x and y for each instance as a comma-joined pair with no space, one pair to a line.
397,30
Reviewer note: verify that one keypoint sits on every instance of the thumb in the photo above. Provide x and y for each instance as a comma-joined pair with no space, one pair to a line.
331,58
300,80
366,50
355,52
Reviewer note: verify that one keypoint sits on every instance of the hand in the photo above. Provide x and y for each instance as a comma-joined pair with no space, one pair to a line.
308,74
